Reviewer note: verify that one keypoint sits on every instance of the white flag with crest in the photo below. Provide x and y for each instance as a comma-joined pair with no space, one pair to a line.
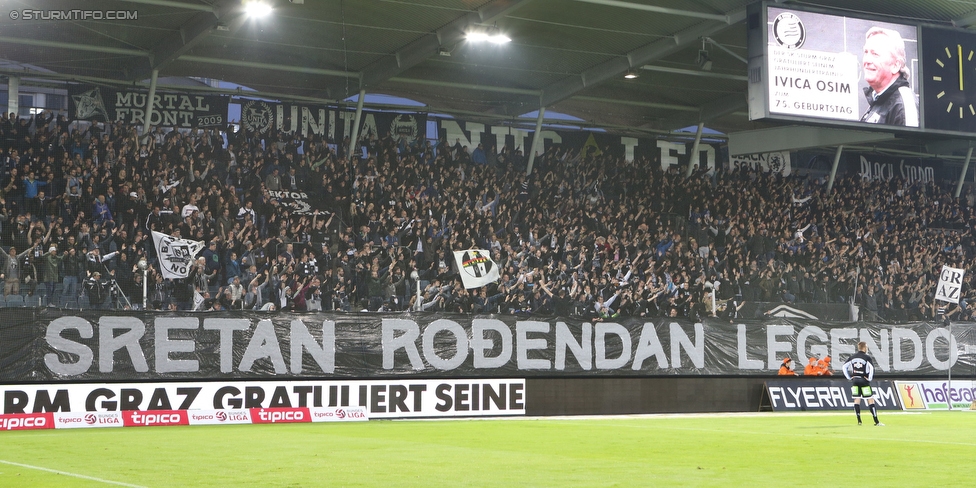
175,255
476,267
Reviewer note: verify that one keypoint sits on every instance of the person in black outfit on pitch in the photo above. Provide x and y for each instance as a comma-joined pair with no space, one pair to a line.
859,368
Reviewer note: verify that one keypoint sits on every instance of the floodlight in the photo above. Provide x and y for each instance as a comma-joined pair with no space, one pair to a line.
499,38
257,9
491,34
477,36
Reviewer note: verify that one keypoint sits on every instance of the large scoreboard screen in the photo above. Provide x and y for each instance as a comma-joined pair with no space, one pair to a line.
826,68
834,68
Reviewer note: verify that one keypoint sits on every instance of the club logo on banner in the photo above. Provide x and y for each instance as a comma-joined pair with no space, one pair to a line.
950,284
788,30
772,162
476,267
175,254
405,125
256,116
89,105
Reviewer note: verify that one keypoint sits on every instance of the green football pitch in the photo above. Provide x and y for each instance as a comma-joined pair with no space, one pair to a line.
917,449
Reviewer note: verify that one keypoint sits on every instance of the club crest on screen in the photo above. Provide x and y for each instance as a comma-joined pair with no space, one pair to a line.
788,31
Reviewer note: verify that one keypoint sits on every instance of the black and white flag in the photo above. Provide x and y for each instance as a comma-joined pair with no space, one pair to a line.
175,255
950,284
476,267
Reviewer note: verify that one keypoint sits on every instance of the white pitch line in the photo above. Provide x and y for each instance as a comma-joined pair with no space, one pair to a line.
65,473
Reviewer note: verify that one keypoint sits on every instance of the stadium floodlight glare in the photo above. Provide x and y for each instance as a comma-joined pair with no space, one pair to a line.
492,35
476,36
499,38
631,74
257,9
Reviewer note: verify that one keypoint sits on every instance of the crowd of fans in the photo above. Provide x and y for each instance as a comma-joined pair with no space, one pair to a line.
586,233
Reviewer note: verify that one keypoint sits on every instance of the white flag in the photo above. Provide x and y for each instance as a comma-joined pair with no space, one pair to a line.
476,267
950,284
175,255
198,300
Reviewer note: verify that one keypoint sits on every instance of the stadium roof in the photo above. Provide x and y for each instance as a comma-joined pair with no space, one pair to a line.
566,55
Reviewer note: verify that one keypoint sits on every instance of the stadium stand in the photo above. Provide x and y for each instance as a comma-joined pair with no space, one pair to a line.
583,234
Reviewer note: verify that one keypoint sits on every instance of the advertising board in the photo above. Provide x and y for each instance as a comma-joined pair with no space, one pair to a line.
822,394
936,395
229,402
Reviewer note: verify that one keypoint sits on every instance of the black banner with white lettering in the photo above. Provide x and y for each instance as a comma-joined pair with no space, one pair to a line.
47,344
181,110
330,122
263,116
816,394
661,153
296,202
912,170
409,127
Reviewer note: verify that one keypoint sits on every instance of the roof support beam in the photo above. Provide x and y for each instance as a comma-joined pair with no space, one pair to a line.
74,46
795,137
168,3
536,140
150,99
947,147
417,51
193,31
633,103
833,169
966,21
723,106
567,87
271,66
694,158
727,50
36,75
467,86
691,72
13,94
659,10
354,140
962,175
